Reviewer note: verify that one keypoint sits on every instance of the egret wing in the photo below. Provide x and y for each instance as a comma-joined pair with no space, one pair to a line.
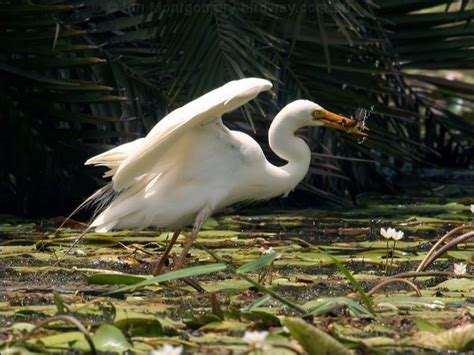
114,157
150,155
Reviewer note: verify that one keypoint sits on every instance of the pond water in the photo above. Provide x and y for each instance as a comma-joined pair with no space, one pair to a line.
297,251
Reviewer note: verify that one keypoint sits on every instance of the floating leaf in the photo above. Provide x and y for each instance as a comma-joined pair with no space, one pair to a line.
28,312
221,326
211,223
426,326
201,321
461,284
141,327
263,318
115,279
65,340
110,338
459,254
21,327
313,340
411,302
457,339
326,305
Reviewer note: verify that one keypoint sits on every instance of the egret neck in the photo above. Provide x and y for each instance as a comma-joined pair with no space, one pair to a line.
284,143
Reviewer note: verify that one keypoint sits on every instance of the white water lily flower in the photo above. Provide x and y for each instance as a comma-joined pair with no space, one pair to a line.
386,233
472,208
168,349
256,339
391,233
398,235
460,269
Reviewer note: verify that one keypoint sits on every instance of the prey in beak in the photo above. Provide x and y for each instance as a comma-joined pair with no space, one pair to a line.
342,123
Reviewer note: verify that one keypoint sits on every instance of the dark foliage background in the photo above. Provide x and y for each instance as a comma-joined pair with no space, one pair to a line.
78,77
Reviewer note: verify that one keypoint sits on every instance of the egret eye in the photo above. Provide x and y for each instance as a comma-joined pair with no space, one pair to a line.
317,114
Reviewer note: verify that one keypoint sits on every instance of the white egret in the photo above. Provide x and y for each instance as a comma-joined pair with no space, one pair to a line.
191,165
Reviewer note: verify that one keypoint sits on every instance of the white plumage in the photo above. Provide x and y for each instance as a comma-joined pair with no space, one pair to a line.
190,164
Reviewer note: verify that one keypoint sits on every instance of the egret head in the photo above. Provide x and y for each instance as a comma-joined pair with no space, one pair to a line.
311,114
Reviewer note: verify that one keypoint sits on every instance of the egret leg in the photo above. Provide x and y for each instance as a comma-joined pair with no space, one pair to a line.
199,221
161,263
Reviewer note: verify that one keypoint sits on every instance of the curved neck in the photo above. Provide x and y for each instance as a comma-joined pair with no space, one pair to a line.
284,142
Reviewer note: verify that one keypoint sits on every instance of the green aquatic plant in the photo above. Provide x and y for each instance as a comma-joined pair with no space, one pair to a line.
313,340
268,271
355,284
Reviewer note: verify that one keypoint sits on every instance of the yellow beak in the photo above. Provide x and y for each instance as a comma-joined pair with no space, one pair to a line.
342,123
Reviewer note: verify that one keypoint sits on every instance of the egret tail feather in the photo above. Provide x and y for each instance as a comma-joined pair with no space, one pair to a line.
100,199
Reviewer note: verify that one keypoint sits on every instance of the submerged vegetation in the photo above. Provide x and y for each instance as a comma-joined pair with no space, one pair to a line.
311,280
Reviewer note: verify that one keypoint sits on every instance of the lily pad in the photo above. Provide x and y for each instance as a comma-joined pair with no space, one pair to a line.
110,338
457,339
461,284
115,279
313,340
141,327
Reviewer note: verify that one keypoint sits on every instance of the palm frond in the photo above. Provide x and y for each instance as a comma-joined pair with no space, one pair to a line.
83,76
